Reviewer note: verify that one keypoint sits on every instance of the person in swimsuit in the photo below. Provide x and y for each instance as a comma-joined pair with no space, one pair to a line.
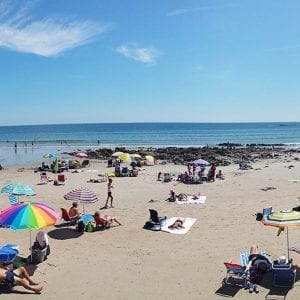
178,224
18,276
104,221
109,193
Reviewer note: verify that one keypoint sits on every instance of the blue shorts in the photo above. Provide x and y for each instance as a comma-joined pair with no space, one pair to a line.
10,278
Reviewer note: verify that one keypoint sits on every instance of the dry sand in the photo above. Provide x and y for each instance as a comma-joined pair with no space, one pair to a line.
128,262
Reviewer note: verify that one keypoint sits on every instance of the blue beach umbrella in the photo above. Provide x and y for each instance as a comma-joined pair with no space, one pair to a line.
49,155
18,189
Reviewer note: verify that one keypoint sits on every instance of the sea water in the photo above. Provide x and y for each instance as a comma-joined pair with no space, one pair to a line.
27,144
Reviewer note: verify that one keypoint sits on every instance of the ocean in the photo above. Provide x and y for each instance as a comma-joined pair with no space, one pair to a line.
20,145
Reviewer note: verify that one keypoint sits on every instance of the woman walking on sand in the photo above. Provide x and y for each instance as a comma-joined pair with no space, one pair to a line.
109,193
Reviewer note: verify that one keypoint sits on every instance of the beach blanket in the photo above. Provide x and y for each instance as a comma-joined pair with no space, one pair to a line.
294,180
192,200
188,223
244,256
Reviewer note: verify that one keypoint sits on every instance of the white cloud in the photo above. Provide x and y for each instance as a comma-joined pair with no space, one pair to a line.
144,55
183,11
46,37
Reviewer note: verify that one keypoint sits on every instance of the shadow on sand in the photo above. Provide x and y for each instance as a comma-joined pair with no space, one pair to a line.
64,233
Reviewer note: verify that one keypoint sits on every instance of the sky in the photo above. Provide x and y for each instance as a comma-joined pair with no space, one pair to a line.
97,61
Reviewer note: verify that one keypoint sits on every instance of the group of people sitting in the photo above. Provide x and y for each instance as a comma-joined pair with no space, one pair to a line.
191,176
101,221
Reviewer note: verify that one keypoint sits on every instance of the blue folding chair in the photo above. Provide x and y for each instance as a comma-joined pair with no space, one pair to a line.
13,199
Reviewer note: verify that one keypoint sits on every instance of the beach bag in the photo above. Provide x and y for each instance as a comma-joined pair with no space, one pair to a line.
80,226
89,227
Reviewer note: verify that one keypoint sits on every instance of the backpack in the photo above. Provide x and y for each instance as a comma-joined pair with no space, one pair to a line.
80,226
89,227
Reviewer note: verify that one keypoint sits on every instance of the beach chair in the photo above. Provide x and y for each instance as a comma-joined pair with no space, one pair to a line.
44,177
85,163
13,199
155,222
236,275
65,216
283,275
244,256
267,211
125,172
40,248
61,179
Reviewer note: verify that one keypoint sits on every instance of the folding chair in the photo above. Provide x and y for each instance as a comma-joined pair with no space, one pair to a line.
13,199
61,179
85,163
40,248
155,219
65,216
44,177
236,275
267,211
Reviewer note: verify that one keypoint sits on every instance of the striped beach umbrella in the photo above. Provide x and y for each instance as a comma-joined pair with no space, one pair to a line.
283,219
18,189
28,216
82,195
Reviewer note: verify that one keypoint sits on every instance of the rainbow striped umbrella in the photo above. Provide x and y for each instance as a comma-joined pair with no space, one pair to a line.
83,195
283,219
28,216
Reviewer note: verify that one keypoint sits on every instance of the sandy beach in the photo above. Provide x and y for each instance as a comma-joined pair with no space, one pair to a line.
129,262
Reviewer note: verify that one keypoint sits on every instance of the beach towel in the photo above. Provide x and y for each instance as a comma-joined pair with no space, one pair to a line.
193,200
188,223
244,256
294,180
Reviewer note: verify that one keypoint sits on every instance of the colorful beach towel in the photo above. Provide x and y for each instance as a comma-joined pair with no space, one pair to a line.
188,223
193,200
244,256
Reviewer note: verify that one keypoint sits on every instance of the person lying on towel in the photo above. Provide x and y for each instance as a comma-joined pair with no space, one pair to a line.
178,224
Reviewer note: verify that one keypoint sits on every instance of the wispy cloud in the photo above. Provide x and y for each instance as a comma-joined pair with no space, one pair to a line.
20,31
143,55
183,11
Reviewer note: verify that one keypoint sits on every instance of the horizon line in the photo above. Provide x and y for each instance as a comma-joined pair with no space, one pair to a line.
150,122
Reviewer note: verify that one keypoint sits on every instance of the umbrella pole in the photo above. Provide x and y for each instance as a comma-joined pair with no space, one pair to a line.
30,247
288,243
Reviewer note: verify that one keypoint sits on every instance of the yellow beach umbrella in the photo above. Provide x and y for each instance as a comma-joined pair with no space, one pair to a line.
125,157
149,160
283,219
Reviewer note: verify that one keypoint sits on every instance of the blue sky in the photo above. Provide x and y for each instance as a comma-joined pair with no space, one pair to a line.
78,61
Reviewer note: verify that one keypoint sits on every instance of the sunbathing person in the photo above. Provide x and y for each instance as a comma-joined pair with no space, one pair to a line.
257,261
104,221
178,224
18,276
182,197
96,180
